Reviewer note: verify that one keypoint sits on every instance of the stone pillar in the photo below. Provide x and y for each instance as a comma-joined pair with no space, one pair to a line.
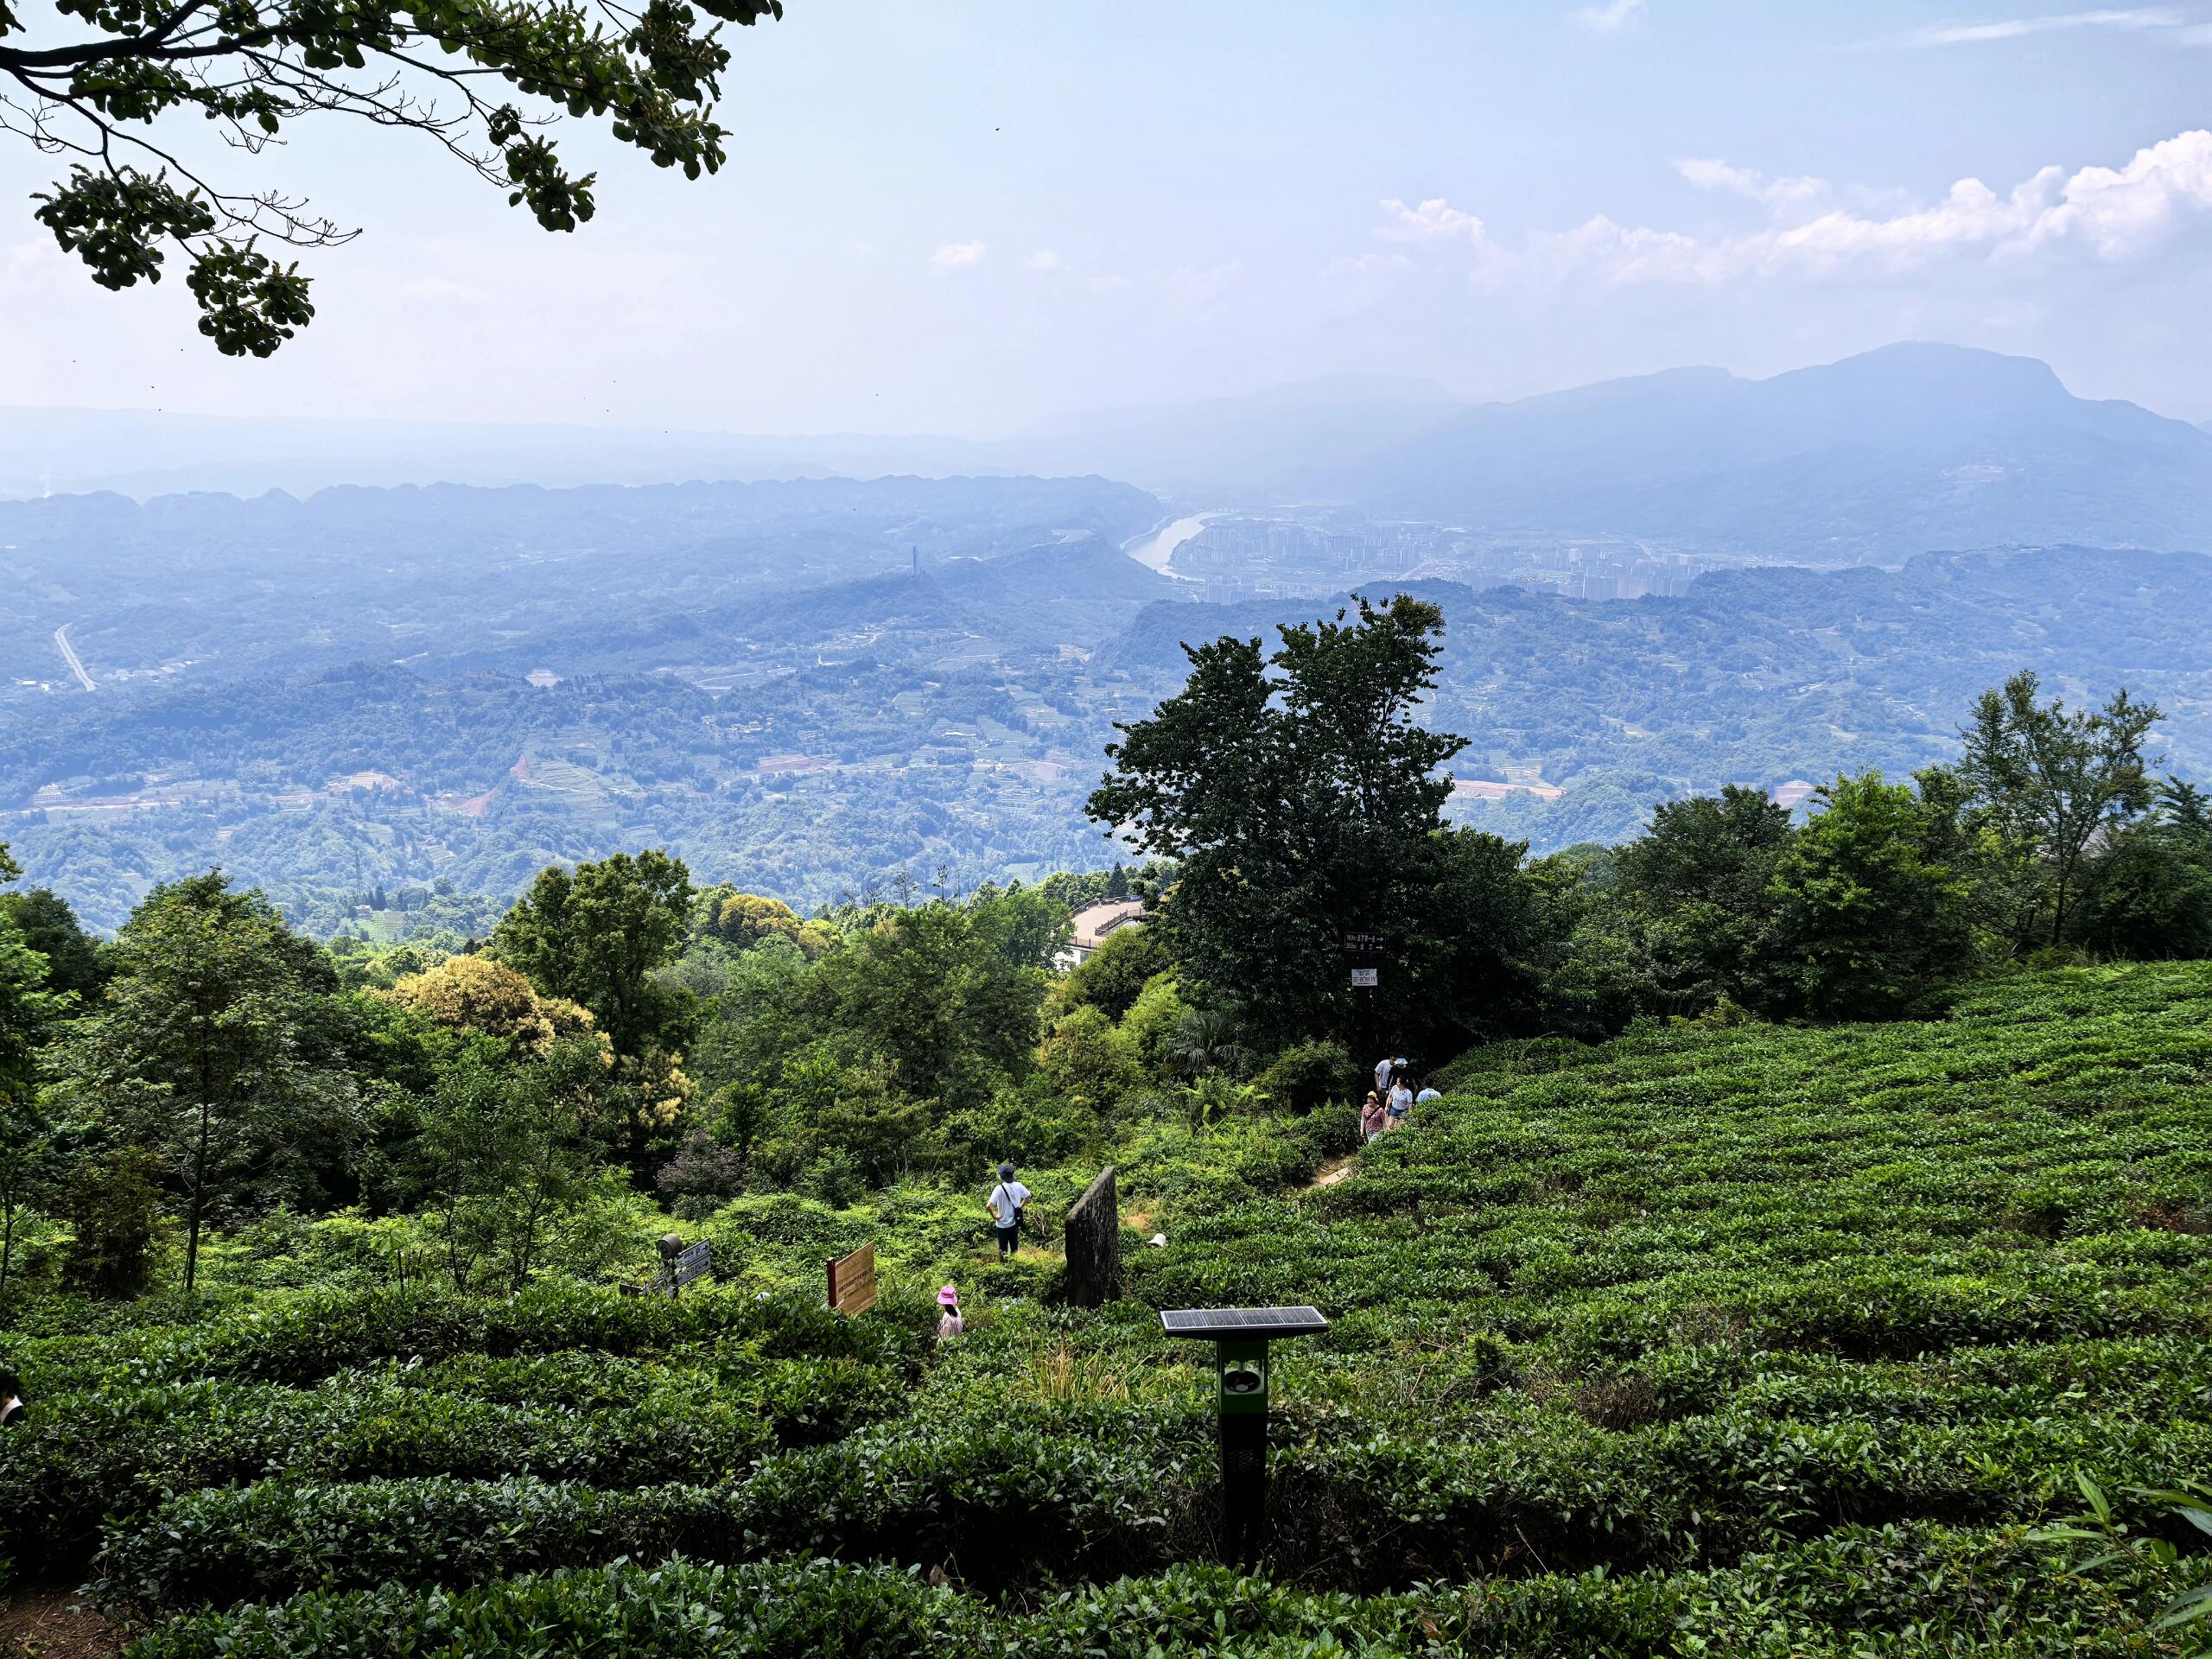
1094,1243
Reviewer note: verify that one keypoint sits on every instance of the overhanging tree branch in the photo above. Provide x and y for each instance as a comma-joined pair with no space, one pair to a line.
651,75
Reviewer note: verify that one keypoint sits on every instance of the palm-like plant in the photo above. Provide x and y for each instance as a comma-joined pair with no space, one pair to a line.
1206,1039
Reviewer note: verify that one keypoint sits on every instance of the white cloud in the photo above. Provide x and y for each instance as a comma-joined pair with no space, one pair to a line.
1433,220
2109,212
1043,259
1603,20
2134,19
959,255
1775,192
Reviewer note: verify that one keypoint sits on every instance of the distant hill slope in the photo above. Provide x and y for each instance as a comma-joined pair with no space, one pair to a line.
200,587
802,740
1759,675
1876,458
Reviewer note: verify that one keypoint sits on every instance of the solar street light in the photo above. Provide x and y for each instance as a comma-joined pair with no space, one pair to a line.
1239,1338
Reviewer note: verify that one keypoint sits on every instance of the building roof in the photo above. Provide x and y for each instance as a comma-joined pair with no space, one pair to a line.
1094,922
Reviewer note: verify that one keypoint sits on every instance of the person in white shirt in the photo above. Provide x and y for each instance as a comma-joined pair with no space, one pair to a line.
1427,1095
1402,1101
1384,1071
1005,1205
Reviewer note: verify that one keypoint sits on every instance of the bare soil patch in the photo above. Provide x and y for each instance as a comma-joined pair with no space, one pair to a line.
45,1623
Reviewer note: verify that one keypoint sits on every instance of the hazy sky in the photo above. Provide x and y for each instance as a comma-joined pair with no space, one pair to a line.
966,216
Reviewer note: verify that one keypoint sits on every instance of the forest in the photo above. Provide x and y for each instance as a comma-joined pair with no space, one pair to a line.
1801,1241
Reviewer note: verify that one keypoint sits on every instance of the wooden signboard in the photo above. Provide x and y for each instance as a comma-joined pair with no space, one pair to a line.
852,1281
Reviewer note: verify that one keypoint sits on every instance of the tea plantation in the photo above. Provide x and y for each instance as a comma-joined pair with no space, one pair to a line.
1748,1339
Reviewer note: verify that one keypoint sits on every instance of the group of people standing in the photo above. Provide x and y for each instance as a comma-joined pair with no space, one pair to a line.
1391,1101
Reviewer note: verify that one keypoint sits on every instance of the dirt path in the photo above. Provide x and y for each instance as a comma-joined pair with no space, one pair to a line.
46,1624
1337,1169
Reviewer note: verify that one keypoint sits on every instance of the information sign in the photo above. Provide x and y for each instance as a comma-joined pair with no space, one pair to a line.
852,1281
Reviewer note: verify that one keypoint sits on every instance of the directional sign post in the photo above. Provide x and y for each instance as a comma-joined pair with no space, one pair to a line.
681,1265
1239,1338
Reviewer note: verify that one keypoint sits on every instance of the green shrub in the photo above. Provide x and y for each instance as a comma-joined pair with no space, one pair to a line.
810,1610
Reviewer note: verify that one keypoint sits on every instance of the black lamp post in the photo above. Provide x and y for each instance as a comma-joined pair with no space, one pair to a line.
1239,1338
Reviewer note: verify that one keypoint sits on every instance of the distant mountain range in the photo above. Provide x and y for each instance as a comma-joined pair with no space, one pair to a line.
1877,458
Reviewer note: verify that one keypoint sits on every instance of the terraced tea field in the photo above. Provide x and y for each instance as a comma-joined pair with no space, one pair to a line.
1747,1340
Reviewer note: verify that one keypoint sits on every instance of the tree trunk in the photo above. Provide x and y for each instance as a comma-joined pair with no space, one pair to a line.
7,1237
199,1190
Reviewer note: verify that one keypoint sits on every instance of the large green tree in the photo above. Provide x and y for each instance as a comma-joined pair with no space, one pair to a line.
140,94
2051,782
1300,792
1869,923
215,1045
947,995
597,935
1689,900
29,1005
50,927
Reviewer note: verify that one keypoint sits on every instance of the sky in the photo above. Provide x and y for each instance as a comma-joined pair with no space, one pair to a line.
977,217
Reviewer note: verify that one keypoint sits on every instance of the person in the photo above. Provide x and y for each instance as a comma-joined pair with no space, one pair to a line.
1384,1071
1370,1118
1005,1205
950,1324
1426,1095
1402,1101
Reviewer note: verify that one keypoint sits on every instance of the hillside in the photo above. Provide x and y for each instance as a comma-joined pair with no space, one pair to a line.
1752,1340
1875,458
803,741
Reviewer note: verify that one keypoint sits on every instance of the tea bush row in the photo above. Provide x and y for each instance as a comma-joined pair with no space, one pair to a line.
121,1451
1039,1497
303,1338
1905,1589
1000,1506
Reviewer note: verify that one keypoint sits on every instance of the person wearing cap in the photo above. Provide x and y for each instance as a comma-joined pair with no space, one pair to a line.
1005,1206
950,1324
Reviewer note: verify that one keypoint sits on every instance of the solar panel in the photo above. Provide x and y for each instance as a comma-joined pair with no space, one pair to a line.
1211,1323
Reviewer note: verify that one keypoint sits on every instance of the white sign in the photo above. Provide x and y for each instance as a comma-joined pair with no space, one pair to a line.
1363,979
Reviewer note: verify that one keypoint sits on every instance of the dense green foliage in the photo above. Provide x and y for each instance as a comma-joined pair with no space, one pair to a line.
1753,1339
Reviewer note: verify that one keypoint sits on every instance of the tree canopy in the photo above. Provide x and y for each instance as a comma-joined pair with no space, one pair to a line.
1300,793
107,85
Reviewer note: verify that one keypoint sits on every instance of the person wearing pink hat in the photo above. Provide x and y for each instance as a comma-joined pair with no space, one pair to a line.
950,1325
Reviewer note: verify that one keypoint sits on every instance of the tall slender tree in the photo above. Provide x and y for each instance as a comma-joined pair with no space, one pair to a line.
213,1044
28,1008
2052,780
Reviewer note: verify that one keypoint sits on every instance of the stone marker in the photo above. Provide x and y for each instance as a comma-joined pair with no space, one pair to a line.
1094,1243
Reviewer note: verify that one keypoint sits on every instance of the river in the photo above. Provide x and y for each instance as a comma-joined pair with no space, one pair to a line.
1156,549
